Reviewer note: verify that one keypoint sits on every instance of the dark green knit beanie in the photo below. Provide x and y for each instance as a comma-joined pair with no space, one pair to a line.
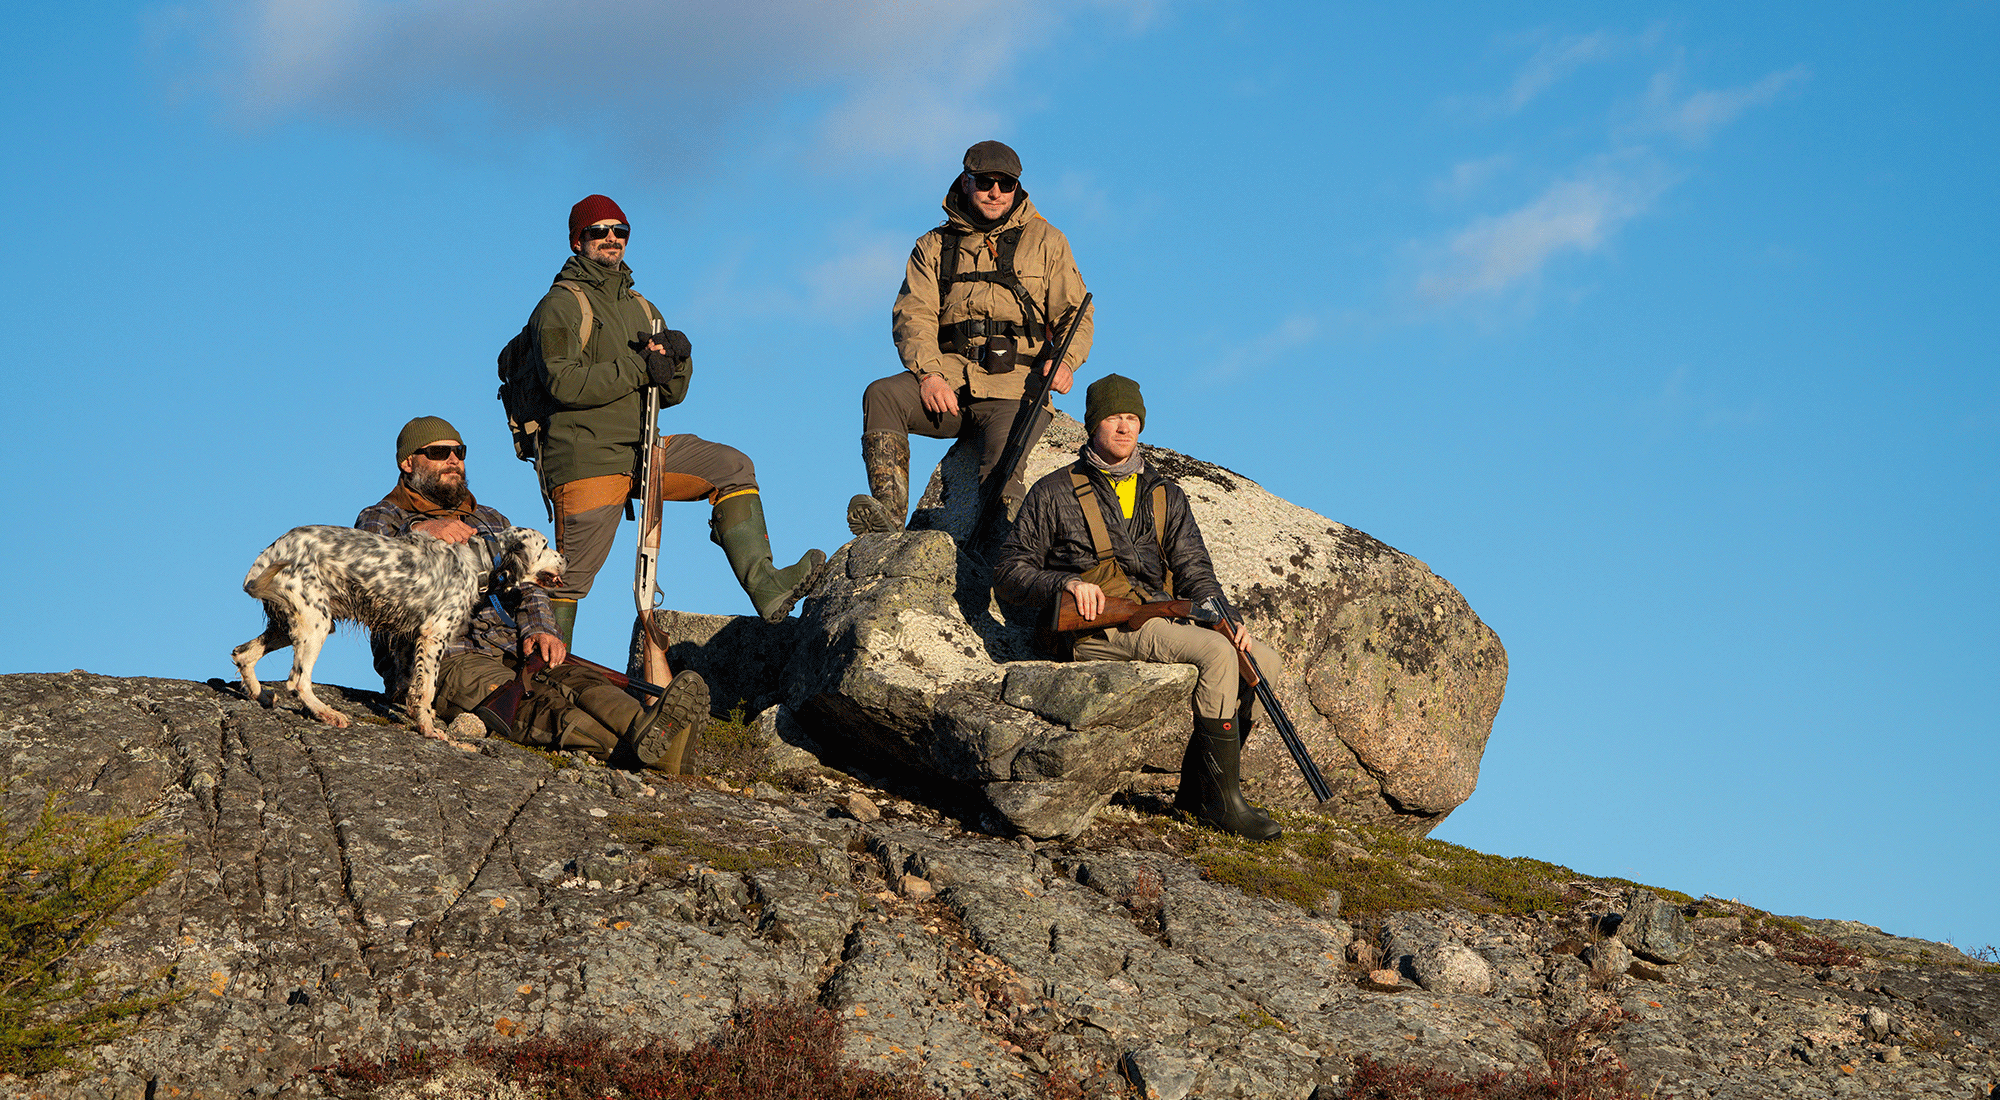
422,432
1113,393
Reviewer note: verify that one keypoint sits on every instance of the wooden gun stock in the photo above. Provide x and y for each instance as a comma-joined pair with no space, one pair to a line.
1131,615
1121,613
499,710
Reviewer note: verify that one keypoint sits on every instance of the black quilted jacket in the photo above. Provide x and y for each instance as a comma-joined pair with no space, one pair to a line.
1051,542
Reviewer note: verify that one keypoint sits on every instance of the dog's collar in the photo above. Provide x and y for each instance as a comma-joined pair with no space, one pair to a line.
490,582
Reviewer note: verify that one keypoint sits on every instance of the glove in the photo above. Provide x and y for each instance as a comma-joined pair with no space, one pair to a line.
660,367
676,342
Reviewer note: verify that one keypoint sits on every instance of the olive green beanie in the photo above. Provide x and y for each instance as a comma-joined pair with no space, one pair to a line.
1113,393
422,432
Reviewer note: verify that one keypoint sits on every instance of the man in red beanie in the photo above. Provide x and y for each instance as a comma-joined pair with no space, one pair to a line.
600,347
984,297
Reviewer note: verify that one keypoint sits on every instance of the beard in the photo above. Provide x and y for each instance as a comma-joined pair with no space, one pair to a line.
446,491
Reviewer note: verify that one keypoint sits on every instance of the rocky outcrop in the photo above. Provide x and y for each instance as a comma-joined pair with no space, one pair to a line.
1390,677
904,657
343,891
885,666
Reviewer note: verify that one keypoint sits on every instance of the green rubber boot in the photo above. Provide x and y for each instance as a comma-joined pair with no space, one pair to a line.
738,527
565,611
1211,782
664,737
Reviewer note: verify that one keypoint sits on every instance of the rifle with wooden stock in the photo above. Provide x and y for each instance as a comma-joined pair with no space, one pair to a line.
652,647
1126,614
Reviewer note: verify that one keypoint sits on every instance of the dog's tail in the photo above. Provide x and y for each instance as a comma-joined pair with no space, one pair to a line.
258,583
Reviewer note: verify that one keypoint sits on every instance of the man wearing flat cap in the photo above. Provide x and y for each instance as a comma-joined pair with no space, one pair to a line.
599,347
985,299
1109,524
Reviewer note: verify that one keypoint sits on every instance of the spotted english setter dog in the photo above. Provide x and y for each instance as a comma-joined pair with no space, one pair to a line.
412,586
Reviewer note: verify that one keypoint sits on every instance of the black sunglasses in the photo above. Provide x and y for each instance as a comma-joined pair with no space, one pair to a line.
438,452
986,181
599,232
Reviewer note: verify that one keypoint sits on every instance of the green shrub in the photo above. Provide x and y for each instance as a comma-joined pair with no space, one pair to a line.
61,879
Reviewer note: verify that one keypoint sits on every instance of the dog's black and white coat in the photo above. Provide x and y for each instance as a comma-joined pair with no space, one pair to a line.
412,586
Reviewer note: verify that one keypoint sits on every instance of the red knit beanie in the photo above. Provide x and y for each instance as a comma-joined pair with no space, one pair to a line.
593,208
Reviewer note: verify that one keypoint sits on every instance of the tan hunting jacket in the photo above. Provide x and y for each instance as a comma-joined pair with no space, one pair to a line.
1047,270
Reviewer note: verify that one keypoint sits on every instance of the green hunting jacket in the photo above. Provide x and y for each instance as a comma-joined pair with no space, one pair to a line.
599,389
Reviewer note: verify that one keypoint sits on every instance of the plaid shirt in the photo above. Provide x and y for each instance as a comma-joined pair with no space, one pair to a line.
486,632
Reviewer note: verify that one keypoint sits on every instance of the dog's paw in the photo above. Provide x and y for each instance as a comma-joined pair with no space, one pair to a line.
333,718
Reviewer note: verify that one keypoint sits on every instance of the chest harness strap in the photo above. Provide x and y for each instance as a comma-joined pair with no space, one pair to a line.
1107,574
958,337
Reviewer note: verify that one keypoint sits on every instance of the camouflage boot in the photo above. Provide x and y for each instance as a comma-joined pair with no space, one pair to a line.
886,457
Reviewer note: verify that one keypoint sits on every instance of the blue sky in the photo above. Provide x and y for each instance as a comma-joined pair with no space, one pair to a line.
1662,331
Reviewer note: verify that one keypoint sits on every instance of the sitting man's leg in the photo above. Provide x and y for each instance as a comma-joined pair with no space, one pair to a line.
572,707
589,708
1211,767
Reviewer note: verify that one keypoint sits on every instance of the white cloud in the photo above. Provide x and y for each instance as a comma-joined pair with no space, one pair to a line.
1554,60
665,76
1584,208
1468,176
1292,332
1578,214
1692,116
857,280
1557,58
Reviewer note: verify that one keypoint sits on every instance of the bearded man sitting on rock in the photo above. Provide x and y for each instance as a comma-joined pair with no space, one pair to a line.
1109,523
571,707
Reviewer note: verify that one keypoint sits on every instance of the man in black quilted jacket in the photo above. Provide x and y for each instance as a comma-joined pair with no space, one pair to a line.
1155,552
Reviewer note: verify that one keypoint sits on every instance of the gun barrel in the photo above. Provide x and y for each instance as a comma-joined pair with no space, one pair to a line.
1301,756
1036,399
615,676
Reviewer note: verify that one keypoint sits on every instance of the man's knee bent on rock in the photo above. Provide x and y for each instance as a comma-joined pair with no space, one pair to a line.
602,347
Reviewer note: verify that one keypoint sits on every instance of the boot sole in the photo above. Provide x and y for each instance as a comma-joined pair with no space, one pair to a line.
777,612
867,516
682,705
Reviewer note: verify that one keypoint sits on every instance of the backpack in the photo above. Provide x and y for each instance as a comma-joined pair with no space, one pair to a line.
522,395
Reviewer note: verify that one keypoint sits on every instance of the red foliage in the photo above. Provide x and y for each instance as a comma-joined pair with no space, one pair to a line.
1374,1080
768,1052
